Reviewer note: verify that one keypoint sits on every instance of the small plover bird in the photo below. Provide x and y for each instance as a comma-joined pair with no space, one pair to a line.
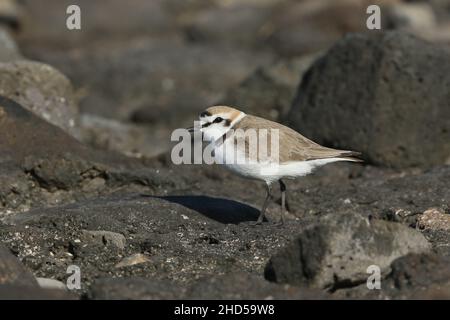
295,156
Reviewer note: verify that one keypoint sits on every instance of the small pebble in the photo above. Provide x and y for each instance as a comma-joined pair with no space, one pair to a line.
132,260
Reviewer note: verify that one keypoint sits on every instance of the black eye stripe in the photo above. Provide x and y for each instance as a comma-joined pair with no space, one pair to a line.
205,114
217,120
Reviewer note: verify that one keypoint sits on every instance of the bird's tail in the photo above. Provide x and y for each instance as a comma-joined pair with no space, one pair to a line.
350,156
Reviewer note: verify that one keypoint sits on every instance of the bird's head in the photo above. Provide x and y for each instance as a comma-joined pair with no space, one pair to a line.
216,121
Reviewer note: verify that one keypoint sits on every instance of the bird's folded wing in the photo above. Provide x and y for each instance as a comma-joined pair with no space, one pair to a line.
283,144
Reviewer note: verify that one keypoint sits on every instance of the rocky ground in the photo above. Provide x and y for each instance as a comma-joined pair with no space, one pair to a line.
87,179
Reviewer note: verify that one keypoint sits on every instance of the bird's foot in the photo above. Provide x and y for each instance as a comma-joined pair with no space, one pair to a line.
279,223
255,223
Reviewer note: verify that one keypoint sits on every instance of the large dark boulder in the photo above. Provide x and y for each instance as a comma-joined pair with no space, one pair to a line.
414,276
43,90
41,164
337,250
17,282
238,285
414,273
386,95
12,272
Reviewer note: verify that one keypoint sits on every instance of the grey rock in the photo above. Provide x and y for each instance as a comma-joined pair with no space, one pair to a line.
414,276
48,283
183,238
16,292
12,271
233,286
17,282
434,223
131,139
167,76
337,251
242,285
133,260
8,47
101,237
434,219
42,164
43,90
384,95
418,271
134,288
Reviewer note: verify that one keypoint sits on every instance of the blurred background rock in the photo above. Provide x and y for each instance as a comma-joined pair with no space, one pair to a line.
147,67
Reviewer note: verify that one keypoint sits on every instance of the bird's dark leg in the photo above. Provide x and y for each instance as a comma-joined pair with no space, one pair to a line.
265,204
283,201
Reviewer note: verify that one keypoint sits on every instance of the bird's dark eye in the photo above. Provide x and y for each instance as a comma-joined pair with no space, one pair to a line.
218,119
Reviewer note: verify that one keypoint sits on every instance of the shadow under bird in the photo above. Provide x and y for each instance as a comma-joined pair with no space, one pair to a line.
292,156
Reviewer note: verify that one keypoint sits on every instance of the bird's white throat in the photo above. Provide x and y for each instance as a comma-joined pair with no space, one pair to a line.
215,132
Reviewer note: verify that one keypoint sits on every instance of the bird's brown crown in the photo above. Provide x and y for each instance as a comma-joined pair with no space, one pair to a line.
215,110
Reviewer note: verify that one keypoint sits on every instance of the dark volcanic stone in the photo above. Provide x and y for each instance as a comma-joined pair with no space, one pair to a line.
385,95
134,288
10,292
17,282
182,242
414,276
248,286
43,90
337,251
12,272
40,163
238,285
131,139
420,271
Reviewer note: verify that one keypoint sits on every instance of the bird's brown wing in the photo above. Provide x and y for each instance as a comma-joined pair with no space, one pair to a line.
292,145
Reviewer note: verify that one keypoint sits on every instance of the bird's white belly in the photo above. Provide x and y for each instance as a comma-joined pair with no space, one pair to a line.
235,161
266,171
